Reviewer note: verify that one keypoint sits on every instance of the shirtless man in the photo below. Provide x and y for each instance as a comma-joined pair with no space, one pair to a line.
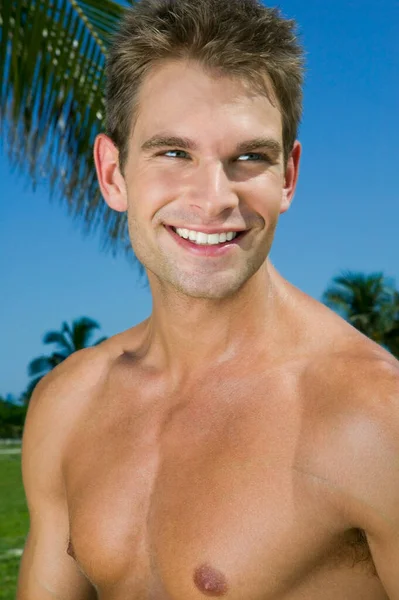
242,442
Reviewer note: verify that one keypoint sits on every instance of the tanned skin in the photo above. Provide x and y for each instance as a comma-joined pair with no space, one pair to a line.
242,442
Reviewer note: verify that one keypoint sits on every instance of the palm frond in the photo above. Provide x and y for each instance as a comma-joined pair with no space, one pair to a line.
58,338
52,58
366,301
337,298
82,331
39,365
43,364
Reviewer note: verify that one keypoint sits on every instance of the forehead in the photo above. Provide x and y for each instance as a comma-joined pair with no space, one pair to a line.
182,96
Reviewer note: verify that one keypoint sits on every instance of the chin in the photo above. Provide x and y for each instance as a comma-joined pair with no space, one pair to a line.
206,293
206,284
218,287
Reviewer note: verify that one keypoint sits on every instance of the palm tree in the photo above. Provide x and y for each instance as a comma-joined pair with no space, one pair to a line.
392,335
368,302
68,340
52,58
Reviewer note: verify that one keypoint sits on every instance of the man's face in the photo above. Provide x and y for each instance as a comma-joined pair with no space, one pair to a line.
212,187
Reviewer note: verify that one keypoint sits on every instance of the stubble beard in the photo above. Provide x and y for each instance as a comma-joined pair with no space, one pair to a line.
208,284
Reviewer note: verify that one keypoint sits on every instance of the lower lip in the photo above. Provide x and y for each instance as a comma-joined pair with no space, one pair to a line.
205,249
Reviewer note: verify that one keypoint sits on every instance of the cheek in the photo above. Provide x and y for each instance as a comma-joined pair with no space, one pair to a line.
151,191
266,198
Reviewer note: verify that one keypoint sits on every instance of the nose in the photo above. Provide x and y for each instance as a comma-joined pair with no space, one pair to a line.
211,191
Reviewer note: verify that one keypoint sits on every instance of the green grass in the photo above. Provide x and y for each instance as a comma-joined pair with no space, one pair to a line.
14,522
11,444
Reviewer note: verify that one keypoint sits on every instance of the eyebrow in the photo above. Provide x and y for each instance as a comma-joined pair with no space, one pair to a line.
161,141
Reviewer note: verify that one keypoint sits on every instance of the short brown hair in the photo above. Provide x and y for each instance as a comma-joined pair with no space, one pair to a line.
239,38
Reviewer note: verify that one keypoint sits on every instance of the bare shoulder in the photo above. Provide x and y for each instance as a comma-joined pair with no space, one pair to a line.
65,387
357,445
60,396
349,432
354,373
53,409
352,420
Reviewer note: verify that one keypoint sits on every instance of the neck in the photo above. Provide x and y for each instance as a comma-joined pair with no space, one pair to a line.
185,335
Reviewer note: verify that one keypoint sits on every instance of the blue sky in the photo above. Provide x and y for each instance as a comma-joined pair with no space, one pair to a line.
345,214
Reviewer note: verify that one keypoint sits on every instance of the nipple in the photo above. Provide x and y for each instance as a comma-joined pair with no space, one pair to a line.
210,581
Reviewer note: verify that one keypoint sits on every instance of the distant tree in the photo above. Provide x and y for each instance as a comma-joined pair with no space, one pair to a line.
392,335
12,418
368,302
67,341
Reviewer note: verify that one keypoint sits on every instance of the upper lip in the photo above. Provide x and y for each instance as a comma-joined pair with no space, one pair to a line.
210,230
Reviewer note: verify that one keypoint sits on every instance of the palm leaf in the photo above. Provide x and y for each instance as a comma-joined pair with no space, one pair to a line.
366,301
44,364
52,58
82,331
59,338
391,339
39,366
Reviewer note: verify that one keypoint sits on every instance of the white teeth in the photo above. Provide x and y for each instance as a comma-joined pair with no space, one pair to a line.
199,237
202,238
213,238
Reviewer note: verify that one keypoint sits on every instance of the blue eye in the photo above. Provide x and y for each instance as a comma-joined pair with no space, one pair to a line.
168,152
262,156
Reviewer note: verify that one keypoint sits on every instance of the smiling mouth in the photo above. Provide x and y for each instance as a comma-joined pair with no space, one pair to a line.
201,238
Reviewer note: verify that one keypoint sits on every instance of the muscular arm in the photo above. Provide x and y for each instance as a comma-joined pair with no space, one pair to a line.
384,539
358,455
383,533
47,572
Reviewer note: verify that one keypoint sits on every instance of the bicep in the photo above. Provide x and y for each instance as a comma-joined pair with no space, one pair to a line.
46,570
48,573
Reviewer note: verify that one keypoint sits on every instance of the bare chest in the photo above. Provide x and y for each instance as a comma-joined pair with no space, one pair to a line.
204,500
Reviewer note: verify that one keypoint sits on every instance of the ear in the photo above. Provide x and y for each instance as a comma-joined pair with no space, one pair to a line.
112,183
291,177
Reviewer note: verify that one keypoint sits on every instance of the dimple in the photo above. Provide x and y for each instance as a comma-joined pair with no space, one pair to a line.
210,581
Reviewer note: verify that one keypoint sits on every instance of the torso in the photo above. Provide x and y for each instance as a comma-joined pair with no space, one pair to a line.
221,488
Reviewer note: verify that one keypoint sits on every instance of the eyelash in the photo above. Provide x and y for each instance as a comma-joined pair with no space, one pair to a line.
263,157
